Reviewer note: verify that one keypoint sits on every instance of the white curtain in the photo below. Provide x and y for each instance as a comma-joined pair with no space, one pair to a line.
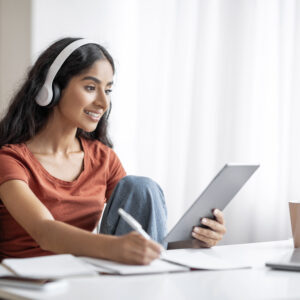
200,83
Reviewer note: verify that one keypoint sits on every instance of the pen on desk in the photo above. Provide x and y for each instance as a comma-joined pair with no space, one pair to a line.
133,223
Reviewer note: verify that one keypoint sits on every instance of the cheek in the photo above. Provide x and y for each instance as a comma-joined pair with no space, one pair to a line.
82,99
73,102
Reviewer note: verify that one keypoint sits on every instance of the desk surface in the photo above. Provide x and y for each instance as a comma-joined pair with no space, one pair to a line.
259,282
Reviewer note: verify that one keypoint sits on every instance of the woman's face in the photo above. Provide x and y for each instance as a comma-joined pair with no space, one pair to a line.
87,96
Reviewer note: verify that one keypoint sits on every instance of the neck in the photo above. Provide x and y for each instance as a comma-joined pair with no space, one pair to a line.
55,138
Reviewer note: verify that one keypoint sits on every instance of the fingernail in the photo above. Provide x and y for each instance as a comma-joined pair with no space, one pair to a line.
193,234
162,253
196,229
204,221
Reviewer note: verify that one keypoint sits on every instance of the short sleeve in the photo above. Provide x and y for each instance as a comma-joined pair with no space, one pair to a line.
115,173
11,166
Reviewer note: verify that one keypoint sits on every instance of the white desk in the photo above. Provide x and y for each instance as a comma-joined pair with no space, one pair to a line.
258,282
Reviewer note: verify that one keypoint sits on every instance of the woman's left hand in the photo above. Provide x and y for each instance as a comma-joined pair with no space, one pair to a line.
212,235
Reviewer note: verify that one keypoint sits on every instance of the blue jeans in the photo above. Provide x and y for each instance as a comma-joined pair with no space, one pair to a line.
142,198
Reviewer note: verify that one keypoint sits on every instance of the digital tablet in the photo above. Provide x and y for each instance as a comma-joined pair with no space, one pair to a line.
218,194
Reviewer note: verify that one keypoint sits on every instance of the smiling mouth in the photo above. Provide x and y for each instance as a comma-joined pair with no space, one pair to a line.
93,114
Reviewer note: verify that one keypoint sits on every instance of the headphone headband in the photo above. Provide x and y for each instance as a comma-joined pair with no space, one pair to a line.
45,95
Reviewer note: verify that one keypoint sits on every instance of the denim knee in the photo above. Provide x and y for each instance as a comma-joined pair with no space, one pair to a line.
138,182
140,186
144,200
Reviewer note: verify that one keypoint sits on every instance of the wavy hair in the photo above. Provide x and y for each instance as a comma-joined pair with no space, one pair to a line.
25,118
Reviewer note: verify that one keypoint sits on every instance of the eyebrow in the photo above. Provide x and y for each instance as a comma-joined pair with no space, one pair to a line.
95,80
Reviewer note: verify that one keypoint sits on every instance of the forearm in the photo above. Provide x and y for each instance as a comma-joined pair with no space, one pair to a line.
59,237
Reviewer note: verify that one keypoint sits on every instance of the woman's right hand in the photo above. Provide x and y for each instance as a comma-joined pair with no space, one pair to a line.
134,249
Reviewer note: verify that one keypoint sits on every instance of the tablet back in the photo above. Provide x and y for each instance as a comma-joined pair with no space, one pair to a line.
218,194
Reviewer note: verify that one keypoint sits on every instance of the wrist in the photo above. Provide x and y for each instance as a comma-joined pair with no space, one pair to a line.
108,247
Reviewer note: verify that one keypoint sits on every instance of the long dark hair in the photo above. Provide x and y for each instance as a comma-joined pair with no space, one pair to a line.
25,118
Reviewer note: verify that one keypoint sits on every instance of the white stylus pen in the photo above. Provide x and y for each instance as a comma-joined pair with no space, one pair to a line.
133,223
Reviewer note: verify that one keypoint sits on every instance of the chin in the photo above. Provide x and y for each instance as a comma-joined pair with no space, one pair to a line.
88,128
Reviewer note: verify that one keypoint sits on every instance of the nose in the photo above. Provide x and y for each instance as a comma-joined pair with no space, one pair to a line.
102,100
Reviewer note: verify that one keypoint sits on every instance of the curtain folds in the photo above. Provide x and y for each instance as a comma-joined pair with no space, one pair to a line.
200,83
216,82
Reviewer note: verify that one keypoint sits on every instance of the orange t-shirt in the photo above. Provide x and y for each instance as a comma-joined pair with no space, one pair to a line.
79,203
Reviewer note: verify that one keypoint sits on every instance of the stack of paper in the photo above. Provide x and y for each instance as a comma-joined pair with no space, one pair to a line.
4,271
52,266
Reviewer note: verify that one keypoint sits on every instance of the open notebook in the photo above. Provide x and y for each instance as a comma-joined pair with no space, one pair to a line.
65,265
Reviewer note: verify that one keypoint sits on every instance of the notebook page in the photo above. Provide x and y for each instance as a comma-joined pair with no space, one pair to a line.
52,266
157,266
199,259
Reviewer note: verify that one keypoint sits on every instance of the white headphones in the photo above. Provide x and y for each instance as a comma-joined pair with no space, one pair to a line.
45,95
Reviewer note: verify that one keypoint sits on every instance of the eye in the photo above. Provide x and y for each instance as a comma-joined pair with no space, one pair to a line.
107,92
90,88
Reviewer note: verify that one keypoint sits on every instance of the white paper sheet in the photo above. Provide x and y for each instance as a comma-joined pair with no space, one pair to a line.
157,266
4,271
200,259
52,266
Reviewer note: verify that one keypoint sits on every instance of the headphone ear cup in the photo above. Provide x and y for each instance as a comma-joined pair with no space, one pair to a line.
56,94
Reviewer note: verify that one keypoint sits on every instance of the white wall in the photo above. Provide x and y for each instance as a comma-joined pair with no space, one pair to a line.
15,46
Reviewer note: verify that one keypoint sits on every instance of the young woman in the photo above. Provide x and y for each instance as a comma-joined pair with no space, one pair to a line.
58,169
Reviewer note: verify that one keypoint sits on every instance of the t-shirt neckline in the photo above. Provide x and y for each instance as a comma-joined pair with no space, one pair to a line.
53,178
